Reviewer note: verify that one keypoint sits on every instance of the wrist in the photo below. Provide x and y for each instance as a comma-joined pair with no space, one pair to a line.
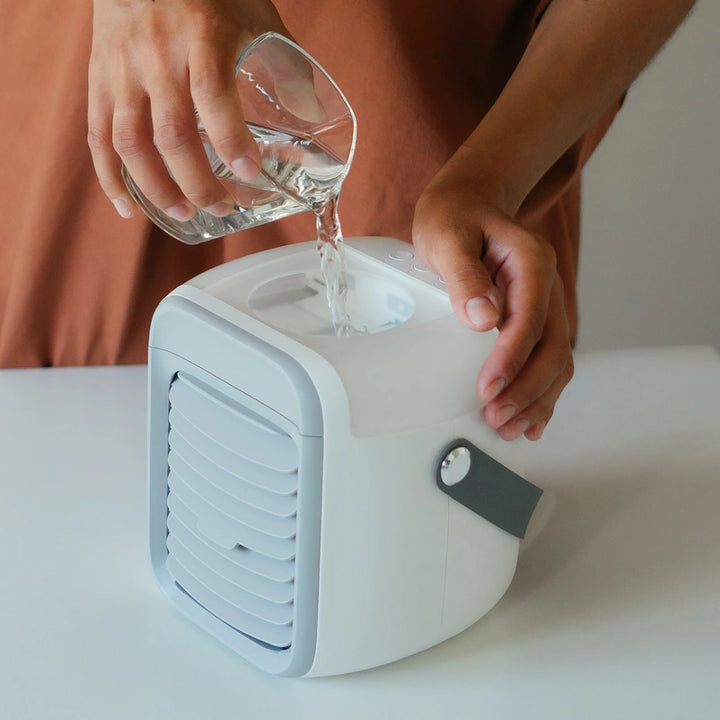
480,175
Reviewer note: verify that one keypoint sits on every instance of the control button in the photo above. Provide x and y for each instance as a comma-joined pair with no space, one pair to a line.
421,268
455,466
401,255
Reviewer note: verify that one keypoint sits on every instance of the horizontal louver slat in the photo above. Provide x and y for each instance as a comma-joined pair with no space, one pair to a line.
188,462
183,523
272,480
229,533
268,611
276,456
279,527
235,431
194,389
279,636
277,592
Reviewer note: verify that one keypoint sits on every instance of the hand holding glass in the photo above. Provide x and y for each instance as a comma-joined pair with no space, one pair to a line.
305,131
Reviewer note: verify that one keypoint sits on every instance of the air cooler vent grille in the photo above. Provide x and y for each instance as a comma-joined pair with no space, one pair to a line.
232,511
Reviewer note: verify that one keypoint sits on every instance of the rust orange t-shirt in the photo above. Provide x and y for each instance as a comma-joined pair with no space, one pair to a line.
78,284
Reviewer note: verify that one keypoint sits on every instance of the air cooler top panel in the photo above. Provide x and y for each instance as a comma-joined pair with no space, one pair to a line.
389,374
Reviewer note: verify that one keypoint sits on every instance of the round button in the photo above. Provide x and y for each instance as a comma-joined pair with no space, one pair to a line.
401,255
455,466
419,267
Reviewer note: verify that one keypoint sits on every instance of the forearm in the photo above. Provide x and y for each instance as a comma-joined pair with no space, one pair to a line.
583,55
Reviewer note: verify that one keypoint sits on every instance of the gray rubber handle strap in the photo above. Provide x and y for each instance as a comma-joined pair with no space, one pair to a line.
485,486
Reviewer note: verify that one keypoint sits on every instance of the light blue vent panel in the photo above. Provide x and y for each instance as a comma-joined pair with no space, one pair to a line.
232,511
216,419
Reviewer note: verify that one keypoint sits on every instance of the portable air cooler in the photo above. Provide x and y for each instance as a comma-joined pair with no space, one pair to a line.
324,504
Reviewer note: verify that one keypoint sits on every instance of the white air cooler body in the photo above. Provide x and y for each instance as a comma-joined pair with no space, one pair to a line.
296,507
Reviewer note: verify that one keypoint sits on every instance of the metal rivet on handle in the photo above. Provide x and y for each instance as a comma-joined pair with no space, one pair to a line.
455,466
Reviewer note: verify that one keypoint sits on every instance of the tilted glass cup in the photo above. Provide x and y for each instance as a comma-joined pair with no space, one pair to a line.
305,131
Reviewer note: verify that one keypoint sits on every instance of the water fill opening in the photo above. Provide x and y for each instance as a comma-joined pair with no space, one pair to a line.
298,303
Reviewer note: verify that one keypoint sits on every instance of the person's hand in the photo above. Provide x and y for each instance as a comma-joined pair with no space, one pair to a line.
498,274
152,63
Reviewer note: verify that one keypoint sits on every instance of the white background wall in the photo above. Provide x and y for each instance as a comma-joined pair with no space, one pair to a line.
650,254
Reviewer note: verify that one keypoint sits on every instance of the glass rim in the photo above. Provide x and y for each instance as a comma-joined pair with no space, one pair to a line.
251,46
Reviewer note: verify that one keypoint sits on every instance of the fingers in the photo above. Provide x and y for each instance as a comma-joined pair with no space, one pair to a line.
293,80
499,274
165,156
212,85
105,160
176,138
133,141
150,68
527,403
456,257
525,270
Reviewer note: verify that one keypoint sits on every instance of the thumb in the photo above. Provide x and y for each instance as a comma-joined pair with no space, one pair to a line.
294,79
474,297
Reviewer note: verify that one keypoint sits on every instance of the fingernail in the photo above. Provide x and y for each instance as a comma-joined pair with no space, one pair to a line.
493,389
182,211
482,313
123,207
504,414
521,426
536,431
221,209
245,167
298,96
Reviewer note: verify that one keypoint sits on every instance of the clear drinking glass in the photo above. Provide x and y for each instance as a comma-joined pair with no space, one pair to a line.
305,131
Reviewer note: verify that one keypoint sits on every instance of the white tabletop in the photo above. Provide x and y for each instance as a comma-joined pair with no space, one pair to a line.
614,611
